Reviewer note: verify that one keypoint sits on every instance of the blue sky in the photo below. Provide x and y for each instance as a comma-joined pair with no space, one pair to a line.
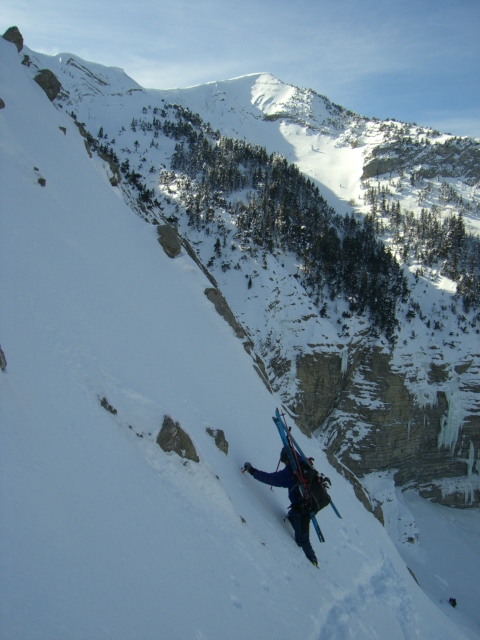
414,60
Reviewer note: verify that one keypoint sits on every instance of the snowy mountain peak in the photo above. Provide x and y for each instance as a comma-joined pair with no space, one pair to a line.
269,94
80,77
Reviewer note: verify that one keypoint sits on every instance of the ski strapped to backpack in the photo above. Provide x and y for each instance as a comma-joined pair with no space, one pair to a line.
306,461
295,462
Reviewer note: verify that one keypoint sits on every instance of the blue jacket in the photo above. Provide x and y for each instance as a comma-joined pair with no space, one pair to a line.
283,478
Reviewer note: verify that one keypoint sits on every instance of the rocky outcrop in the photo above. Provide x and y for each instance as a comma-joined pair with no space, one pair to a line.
49,82
168,238
3,360
224,310
320,383
189,249
321,379
12,34
84,134
173,438
379,166
2,104
107,406
452,158
116,176
220,439
377,424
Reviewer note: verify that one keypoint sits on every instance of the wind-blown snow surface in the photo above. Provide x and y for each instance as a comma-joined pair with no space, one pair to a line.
102,534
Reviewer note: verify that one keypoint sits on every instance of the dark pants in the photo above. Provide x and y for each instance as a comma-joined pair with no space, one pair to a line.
301,525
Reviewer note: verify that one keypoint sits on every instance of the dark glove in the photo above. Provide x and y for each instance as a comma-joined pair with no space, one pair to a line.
248,467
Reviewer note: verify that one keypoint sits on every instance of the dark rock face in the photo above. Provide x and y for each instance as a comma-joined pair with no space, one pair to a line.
49,83
107,406
224,310
370,421
379,166
13,34
321,382
2,104
220,439
453,159
173,438
116,176
168,238
3,360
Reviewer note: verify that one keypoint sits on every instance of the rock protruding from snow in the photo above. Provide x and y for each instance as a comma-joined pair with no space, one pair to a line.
49,83
12,34
3,360
220,439
173,438
224,310
168,238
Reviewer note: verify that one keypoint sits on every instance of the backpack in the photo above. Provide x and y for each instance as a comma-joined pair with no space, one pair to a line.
317,486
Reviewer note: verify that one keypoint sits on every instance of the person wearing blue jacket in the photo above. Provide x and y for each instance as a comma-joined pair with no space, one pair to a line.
297,515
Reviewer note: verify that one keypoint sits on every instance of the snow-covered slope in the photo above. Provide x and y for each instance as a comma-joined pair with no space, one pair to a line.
298,121
102,533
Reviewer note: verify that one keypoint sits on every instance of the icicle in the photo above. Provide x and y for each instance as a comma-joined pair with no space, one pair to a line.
344,356
451,422
471,459
470,481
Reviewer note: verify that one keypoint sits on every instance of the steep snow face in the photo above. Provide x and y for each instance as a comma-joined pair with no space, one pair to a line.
304,120
270,94
102,533
90,77
298,123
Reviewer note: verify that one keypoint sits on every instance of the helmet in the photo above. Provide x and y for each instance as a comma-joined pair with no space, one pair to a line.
284,456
